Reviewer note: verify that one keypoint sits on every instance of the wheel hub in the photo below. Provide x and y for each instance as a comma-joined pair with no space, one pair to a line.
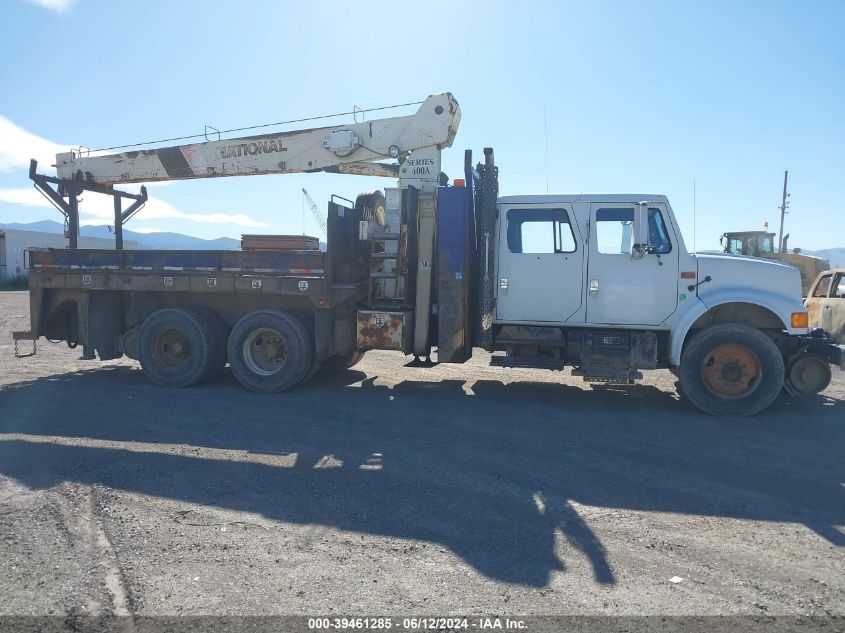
731,371
171,348
265,351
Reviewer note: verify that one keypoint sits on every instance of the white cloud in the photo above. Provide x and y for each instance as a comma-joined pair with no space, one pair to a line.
17,146
147,229
29,197
94,206
98,206
54,5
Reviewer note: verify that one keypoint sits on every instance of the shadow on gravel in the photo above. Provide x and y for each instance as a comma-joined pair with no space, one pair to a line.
493,471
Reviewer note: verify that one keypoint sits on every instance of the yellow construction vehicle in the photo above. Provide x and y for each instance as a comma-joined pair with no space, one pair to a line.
762,244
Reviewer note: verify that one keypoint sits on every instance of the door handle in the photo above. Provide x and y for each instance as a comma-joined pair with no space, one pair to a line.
594,287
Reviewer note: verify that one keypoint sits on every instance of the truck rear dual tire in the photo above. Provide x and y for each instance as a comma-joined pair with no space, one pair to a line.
270,351
731,369
335,364
178,347
219,333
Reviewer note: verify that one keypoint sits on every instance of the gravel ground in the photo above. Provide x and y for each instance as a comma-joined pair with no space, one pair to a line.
388,489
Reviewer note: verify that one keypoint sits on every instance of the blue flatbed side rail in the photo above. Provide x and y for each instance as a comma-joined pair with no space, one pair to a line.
311,263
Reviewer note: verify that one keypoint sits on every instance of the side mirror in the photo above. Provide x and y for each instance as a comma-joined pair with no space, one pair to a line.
639,250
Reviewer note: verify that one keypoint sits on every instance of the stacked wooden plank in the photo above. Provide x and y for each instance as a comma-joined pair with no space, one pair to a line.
279,243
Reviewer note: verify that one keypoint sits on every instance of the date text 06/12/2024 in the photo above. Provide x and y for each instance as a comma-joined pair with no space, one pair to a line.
416,623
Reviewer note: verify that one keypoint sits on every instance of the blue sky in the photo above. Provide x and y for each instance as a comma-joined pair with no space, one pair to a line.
637,96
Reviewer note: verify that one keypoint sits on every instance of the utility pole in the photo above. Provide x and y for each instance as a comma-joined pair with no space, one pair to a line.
783,206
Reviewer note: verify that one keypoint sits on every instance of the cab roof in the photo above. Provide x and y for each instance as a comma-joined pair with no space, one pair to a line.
549,198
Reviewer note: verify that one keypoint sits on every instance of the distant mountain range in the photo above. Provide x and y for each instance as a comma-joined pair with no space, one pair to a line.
836,256
169,241
173,241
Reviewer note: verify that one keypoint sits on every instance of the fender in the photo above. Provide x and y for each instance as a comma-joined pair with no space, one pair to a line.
780,304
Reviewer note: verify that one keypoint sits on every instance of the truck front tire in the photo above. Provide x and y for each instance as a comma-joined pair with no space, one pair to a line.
270,351
175,347
731,369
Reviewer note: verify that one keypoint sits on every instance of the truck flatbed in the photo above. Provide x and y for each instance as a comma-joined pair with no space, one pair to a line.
298,272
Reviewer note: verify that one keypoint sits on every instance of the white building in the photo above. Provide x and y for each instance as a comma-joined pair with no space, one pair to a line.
14,243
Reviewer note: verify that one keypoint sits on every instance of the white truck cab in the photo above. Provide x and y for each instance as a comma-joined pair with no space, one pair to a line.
588,265
567,259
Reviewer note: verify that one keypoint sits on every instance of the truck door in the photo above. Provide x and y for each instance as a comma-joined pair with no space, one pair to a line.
620,288
540,264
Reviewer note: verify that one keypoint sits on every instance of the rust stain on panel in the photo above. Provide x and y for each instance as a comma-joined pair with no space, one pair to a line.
382,330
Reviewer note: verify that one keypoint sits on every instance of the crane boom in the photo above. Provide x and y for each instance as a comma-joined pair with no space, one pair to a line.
360,148
356,148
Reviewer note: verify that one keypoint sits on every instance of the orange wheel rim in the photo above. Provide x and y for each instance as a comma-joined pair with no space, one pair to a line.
731,371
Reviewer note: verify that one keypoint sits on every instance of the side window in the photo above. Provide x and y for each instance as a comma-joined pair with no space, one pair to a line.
658,235
839,290
823,286
614,231
540,231
734,246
